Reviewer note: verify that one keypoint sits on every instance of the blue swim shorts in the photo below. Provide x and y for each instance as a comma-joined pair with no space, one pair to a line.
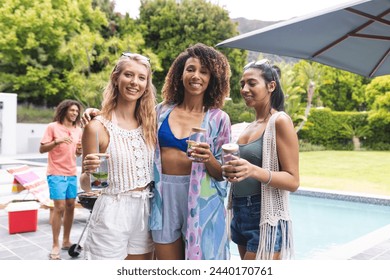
62,187
245,229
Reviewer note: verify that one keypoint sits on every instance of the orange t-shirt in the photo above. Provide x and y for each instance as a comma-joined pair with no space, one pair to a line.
62,158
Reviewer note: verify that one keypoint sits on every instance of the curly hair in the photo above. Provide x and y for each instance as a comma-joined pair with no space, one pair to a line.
145,108
62,110
218,65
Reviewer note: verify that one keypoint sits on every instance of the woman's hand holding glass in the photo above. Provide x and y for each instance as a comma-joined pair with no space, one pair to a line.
230,151
200,152
96,165
236,169
92,162
229,170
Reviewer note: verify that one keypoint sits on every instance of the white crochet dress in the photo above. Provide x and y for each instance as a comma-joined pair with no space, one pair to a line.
131,160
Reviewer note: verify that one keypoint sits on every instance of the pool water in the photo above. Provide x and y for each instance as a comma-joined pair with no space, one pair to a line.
319,224
44,160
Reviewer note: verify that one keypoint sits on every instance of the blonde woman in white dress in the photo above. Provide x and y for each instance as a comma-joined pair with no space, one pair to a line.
126,130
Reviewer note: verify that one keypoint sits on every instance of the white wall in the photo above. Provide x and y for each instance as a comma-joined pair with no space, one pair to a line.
29,137
8,124
17,138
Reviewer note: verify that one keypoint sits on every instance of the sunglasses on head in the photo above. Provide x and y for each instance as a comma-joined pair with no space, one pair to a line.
133,55
259,63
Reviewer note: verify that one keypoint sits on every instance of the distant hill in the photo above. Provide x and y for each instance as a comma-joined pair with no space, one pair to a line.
248,25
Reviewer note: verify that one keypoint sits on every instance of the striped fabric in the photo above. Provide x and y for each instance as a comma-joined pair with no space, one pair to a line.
37,186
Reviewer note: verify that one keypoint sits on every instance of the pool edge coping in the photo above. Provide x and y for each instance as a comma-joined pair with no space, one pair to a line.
355,247
343,195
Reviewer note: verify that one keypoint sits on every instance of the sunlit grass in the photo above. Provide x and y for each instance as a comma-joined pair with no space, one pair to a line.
34,115
355,171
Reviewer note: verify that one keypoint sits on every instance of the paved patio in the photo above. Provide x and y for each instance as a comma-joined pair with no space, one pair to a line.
37,245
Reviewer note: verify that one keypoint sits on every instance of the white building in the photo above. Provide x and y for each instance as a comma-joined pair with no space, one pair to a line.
17,138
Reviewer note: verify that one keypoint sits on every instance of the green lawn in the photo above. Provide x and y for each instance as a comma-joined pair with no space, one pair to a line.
355,171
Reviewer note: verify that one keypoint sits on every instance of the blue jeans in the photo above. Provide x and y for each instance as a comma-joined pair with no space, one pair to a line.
245,229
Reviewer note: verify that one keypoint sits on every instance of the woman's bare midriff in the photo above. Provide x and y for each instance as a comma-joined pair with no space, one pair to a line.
175,162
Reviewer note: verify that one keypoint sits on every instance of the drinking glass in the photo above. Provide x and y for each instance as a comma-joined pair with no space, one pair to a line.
197,136
230,152
99,178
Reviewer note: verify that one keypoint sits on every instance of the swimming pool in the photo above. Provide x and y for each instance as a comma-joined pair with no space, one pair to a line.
320,224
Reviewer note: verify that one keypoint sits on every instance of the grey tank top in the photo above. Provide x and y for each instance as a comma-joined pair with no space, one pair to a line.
252,152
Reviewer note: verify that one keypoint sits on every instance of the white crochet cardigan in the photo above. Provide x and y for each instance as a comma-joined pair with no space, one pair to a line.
274,203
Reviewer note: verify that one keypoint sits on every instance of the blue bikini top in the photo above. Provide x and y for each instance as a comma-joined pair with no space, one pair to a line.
167,139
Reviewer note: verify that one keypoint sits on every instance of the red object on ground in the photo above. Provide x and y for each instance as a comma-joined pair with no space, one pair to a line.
22,217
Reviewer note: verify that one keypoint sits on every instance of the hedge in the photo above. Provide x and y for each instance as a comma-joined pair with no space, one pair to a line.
328,128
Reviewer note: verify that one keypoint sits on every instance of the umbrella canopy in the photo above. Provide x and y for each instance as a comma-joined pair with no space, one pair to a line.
353,37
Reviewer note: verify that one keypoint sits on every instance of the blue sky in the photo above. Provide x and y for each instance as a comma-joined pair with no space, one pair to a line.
251,9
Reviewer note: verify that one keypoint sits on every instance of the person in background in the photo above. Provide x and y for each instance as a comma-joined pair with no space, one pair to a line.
188,213
267,171
61,140
126,132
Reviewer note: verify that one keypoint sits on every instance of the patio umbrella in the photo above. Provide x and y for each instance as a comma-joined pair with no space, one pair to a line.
353,37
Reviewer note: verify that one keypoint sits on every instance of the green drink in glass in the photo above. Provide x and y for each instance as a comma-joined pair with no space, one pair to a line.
99,178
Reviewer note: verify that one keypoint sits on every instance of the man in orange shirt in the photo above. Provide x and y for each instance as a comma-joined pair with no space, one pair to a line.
62,142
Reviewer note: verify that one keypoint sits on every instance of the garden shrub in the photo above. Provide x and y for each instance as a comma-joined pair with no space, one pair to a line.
329,129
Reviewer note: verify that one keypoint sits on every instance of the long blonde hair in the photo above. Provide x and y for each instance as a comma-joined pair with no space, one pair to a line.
145,112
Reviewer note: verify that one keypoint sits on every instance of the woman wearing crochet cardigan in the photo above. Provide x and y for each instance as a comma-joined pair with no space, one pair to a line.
267,171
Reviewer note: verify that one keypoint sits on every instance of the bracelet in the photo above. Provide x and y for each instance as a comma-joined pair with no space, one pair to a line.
269,179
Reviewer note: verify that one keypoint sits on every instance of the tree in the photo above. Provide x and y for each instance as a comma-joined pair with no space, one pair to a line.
32,33
308,76
355,133
293,92
378,93
169,27
52,50
93,57
342,90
